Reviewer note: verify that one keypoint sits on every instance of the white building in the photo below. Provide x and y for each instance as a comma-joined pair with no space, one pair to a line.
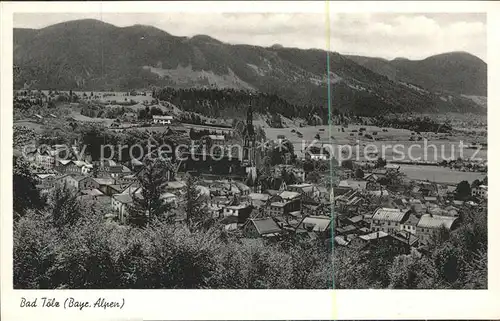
217,139
480,191
162,120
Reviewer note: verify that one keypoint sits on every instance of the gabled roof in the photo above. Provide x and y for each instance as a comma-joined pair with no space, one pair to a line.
379,192
258,196
318,223
43,175
278,204
389,214
241,186
176,185
80,163
216,137
392,166
265,225
123,198
373,236
93,192
353,184
163,117
104,181
405,237
64,162
436,221
356,219
289,195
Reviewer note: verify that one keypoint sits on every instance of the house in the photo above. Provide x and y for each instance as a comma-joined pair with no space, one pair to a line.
349,201
45,158
61,165
305,189
321,225
115,189
244,189
358,221
316,156
410,225
364,240
347,174
169,198
261,227
258,199
214,210
371,177
392,168
242,212
427,189
79,182
162,120
81,167
480,191
344,240
417,205
174,186
388,219
217,139
73,167
431,199
340,190
288,196
345,230
275,209
120,171
379,192
104,183
221,201
120,204
380,172
451,211
403,241
136,164
45,179
353,184
283,203
429,225
92,193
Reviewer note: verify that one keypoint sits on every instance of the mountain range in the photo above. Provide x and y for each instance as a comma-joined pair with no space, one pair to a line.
94,55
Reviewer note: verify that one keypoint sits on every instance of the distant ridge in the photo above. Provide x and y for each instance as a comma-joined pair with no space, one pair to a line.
94,55
456,72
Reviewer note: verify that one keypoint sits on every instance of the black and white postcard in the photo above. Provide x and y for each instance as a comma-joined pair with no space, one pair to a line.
154,148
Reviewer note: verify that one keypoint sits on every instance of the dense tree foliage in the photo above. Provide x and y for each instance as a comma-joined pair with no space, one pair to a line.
26,195
227,102
93,254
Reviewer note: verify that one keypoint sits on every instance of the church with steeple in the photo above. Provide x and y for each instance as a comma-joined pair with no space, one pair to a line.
249,140
249,149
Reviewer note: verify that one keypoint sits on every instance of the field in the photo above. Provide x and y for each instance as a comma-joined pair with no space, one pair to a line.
439,174
38,128
118,96
79,117
392,143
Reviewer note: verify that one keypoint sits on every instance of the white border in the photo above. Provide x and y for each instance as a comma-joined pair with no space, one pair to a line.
255,304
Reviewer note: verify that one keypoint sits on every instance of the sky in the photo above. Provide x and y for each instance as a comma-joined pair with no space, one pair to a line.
385,35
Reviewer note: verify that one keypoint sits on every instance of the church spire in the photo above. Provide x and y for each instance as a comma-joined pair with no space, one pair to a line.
250,129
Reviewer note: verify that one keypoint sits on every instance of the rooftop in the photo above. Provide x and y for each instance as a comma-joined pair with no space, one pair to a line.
373,236
436,221
265,225
389,214
289,195
318,223
258,196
